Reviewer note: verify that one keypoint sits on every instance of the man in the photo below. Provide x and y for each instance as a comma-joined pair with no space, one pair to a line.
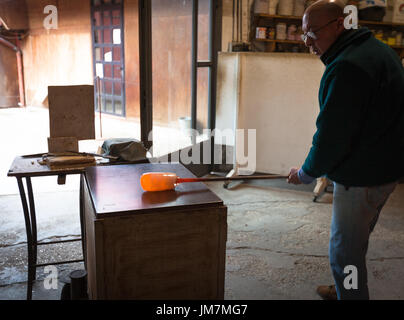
359,142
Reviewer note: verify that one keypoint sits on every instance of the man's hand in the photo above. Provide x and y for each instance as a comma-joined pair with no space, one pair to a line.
293,177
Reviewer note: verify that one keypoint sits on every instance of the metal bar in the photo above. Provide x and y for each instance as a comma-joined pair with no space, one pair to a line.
241,20
59,262
194,70
82,220
232,27
33,220
215,38
203,64
99,101
29,237
57,241
145,73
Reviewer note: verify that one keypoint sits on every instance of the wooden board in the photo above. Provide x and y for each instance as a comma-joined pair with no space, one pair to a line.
63,144
71,111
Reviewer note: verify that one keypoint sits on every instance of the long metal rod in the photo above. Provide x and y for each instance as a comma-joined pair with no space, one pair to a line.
194,68
265,177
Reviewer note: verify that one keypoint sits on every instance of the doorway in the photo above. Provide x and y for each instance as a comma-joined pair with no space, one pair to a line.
108,56
179,41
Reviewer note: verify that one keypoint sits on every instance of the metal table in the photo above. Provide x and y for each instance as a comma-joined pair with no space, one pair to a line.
28,167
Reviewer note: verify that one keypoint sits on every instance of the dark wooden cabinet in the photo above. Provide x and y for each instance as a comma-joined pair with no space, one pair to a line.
161,245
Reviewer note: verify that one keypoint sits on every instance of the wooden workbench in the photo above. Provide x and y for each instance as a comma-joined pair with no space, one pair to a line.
161,245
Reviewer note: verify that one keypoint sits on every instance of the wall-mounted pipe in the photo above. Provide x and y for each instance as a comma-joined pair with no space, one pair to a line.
19,68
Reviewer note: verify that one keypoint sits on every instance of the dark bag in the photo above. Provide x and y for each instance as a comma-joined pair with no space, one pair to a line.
125,149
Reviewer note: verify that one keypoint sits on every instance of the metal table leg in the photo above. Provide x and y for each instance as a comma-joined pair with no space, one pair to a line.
33,222
28,227
82,222
31,230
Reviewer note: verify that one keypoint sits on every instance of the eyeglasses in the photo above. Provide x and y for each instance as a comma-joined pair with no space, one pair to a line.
312,34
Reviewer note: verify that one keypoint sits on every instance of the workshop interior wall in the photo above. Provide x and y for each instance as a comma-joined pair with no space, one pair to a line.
61,56
9,93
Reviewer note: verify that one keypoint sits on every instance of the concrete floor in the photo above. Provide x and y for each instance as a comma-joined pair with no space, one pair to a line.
276,248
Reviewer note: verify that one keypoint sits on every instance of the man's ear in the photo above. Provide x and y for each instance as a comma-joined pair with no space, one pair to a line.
340,25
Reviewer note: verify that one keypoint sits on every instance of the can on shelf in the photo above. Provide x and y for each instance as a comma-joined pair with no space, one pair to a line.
281,31
292,32
261,33
271,33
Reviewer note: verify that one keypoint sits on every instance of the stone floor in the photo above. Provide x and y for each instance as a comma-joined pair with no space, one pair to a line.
276,247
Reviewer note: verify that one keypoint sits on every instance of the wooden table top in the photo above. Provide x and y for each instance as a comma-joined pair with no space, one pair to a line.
30,167
116,190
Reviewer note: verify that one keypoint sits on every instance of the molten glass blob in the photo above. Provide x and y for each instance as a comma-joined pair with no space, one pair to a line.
158,181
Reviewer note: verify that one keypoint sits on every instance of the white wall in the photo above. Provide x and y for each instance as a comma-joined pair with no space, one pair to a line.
276,94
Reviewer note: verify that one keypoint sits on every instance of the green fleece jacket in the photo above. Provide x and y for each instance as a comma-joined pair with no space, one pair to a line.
360,128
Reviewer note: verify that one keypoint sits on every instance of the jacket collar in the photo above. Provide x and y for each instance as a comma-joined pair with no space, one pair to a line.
344,40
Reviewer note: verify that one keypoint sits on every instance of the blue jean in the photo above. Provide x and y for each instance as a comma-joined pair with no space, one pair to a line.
355,213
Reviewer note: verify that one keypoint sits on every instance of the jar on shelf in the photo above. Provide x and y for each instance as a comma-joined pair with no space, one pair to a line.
261,33
391,38
261,6
298,8
281,31
285,7
292,32
298,34
399,38
272,6
379,35
310,2
271,33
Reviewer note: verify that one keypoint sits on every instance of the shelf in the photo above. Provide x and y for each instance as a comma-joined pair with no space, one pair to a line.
262,15
280,41
379,23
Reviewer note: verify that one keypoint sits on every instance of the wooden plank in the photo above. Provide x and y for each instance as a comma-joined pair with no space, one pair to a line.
63,144
94,249
71,111
165,255
221,252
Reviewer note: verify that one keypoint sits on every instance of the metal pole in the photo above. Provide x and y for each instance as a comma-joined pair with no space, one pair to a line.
194,70
99,101
145,72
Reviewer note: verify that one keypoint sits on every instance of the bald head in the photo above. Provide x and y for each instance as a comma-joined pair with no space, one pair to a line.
325,19
326,9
